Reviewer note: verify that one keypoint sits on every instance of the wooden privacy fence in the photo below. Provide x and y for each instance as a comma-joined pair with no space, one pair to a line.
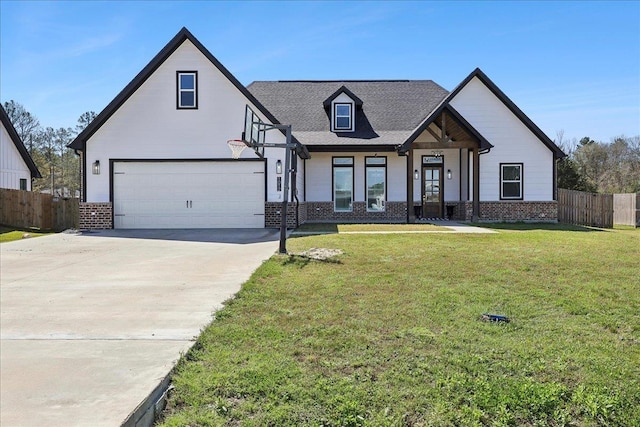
626,209
26,209
580,208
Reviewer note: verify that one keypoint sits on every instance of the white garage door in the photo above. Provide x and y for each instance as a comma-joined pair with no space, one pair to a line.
188,194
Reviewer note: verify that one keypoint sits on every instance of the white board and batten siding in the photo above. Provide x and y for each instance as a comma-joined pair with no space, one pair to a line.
188,194
149,126
12,165
513,143
320,168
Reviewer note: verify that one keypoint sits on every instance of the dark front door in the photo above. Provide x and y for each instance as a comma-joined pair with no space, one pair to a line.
432,197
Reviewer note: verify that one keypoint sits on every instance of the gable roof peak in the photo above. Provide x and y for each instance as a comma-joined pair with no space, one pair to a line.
184,34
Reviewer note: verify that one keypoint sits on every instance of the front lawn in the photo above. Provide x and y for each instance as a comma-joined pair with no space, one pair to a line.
9,234
390,334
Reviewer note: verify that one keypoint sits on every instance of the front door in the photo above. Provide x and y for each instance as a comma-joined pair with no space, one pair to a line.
432,197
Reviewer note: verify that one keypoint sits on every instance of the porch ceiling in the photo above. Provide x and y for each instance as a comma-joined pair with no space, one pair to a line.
453,130
448,129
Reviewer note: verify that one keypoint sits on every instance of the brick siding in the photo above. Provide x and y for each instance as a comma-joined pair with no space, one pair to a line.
463,211
519,211
95,216
323,212
272,214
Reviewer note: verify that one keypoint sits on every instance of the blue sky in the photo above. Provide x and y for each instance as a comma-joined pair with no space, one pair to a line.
572,66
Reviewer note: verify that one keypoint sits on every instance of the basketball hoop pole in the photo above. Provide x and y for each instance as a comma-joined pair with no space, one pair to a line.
285,197
287,173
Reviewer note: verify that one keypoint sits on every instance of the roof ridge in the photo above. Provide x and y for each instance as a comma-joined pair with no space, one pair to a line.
345,81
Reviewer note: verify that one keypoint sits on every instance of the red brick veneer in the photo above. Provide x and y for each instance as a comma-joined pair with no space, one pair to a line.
96,216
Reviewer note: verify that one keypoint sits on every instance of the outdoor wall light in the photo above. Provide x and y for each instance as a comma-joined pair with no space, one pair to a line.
279,167
449,174
416,175
95,168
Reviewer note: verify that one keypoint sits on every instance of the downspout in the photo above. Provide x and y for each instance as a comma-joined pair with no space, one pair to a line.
75,151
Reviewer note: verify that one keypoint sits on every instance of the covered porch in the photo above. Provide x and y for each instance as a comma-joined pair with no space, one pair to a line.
443,167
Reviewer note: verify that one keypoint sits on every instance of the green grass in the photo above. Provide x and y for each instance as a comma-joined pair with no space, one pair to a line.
389,334
341,228
9,234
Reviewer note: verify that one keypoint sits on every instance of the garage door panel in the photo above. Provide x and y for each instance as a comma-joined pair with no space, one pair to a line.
188,194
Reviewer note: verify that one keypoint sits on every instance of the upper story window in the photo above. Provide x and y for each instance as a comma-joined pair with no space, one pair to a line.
187,93
342,117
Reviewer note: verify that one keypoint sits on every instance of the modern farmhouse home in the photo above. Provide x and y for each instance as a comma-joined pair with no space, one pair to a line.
17,168
366,151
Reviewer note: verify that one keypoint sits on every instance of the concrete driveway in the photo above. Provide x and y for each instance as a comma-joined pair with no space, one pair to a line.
92,322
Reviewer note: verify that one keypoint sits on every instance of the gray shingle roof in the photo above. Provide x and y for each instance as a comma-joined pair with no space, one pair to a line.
391,110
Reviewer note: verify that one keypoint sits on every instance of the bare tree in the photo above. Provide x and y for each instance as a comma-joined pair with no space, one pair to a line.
84,120
27,125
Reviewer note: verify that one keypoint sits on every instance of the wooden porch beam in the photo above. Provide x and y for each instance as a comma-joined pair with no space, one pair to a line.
433,133
443,130
441,146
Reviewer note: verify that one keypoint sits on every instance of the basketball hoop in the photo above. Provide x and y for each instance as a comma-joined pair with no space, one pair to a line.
236,146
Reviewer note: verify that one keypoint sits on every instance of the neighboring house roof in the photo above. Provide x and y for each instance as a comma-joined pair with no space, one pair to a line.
391,109
6,122
557,152
80,141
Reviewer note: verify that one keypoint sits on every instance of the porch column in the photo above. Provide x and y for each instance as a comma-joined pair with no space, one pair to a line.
476,185
411,217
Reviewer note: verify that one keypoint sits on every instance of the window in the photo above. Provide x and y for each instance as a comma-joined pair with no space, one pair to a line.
511,181
23,184
376,183
432,160
342,117
343,184
187,89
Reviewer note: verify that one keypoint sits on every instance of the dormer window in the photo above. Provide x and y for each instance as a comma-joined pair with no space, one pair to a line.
343,117
341,107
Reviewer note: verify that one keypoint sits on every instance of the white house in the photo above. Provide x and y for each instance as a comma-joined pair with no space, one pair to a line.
17,168
374,151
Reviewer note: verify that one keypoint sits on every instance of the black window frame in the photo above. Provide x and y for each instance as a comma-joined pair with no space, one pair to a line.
21,182
353,179
366,180
521,181
179,90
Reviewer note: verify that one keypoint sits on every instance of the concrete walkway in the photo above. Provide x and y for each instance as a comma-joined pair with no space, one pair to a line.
452,227
92,323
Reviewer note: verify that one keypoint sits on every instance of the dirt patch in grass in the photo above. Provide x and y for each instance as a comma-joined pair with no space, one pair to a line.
320,254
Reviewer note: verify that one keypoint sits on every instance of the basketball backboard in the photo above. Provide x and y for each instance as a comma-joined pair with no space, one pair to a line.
253,134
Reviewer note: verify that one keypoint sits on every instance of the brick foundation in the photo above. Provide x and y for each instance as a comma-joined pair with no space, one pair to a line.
272,212
519,211
95,216
463,211
323,212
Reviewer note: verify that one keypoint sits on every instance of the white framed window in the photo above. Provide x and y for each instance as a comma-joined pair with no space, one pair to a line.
187,90
376,183
342,184
343,117
511,181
